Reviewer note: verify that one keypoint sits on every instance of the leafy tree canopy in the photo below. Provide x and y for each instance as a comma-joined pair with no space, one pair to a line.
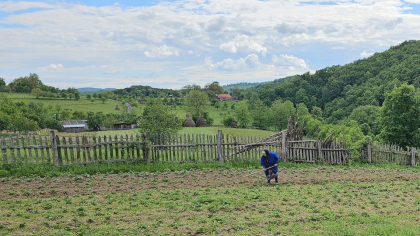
196,102
157,119
399,116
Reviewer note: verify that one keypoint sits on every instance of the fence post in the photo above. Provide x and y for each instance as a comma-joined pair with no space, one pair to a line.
219,145
4,150
283,145
413,156
54,151
146,147
369,150
320,157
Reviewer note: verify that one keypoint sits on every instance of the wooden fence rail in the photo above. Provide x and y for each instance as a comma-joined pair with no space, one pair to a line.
313,151
389,153
163,148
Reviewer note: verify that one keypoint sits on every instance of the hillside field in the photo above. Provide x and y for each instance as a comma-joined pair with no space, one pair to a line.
109,106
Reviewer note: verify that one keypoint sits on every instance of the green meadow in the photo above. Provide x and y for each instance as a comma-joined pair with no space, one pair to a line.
108,106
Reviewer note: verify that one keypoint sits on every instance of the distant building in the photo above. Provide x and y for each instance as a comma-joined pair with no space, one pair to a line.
74,126
223,97
124,125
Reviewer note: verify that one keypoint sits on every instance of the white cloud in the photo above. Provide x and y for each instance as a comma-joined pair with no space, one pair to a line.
51,67
289,61
10,6
215,25
249,62
162,51
287,29
286,63
243,42
365,54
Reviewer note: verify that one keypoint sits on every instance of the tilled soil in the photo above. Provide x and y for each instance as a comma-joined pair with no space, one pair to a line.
26,187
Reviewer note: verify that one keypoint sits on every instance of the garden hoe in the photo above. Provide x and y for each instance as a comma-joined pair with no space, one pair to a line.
271,175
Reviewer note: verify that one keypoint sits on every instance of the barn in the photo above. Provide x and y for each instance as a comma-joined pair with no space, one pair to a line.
74,126
124,125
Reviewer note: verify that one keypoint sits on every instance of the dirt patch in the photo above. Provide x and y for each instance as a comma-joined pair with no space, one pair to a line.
129,182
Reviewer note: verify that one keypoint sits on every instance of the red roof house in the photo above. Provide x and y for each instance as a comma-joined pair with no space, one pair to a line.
223,97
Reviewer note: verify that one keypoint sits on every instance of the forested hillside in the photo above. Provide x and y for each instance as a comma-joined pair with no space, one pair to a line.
242,85
338,90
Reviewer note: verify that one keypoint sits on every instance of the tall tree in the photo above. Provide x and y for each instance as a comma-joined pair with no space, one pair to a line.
212,89
188,88
196,102
158,119
399,116
3,87
95,120
367,118
281,113
260,114
242,114
236,93
26,84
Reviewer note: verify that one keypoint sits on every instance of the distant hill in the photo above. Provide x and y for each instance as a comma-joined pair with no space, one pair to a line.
89,89
241,85
338,90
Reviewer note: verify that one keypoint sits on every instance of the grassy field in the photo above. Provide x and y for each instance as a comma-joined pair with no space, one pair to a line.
193,130
81,105
215,200
109,106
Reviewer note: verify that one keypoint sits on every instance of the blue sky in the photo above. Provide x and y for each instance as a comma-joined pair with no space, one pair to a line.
170,44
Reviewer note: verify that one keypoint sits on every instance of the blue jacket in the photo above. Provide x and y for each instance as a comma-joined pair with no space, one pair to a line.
273,158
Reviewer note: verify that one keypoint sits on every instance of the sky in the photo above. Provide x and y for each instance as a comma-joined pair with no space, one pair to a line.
171,44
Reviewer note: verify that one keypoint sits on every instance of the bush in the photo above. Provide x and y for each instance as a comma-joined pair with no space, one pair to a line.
227,122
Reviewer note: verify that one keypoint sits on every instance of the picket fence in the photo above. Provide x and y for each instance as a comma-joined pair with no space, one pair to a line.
164,148
389,153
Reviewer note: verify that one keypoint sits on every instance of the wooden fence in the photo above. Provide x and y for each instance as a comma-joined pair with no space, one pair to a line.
389,153
163,148
314,151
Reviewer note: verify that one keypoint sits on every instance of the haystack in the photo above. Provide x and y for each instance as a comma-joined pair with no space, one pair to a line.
117,107
201,122
189,122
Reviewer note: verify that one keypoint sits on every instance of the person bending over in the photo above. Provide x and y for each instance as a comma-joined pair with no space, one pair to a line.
269,161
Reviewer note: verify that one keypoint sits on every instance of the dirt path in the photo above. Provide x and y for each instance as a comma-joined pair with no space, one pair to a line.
128,182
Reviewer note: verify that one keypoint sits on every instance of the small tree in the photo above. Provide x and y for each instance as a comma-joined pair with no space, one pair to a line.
225,106
37,92
158,119
242,114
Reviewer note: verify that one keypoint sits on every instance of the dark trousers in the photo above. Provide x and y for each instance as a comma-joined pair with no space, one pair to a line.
271,174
